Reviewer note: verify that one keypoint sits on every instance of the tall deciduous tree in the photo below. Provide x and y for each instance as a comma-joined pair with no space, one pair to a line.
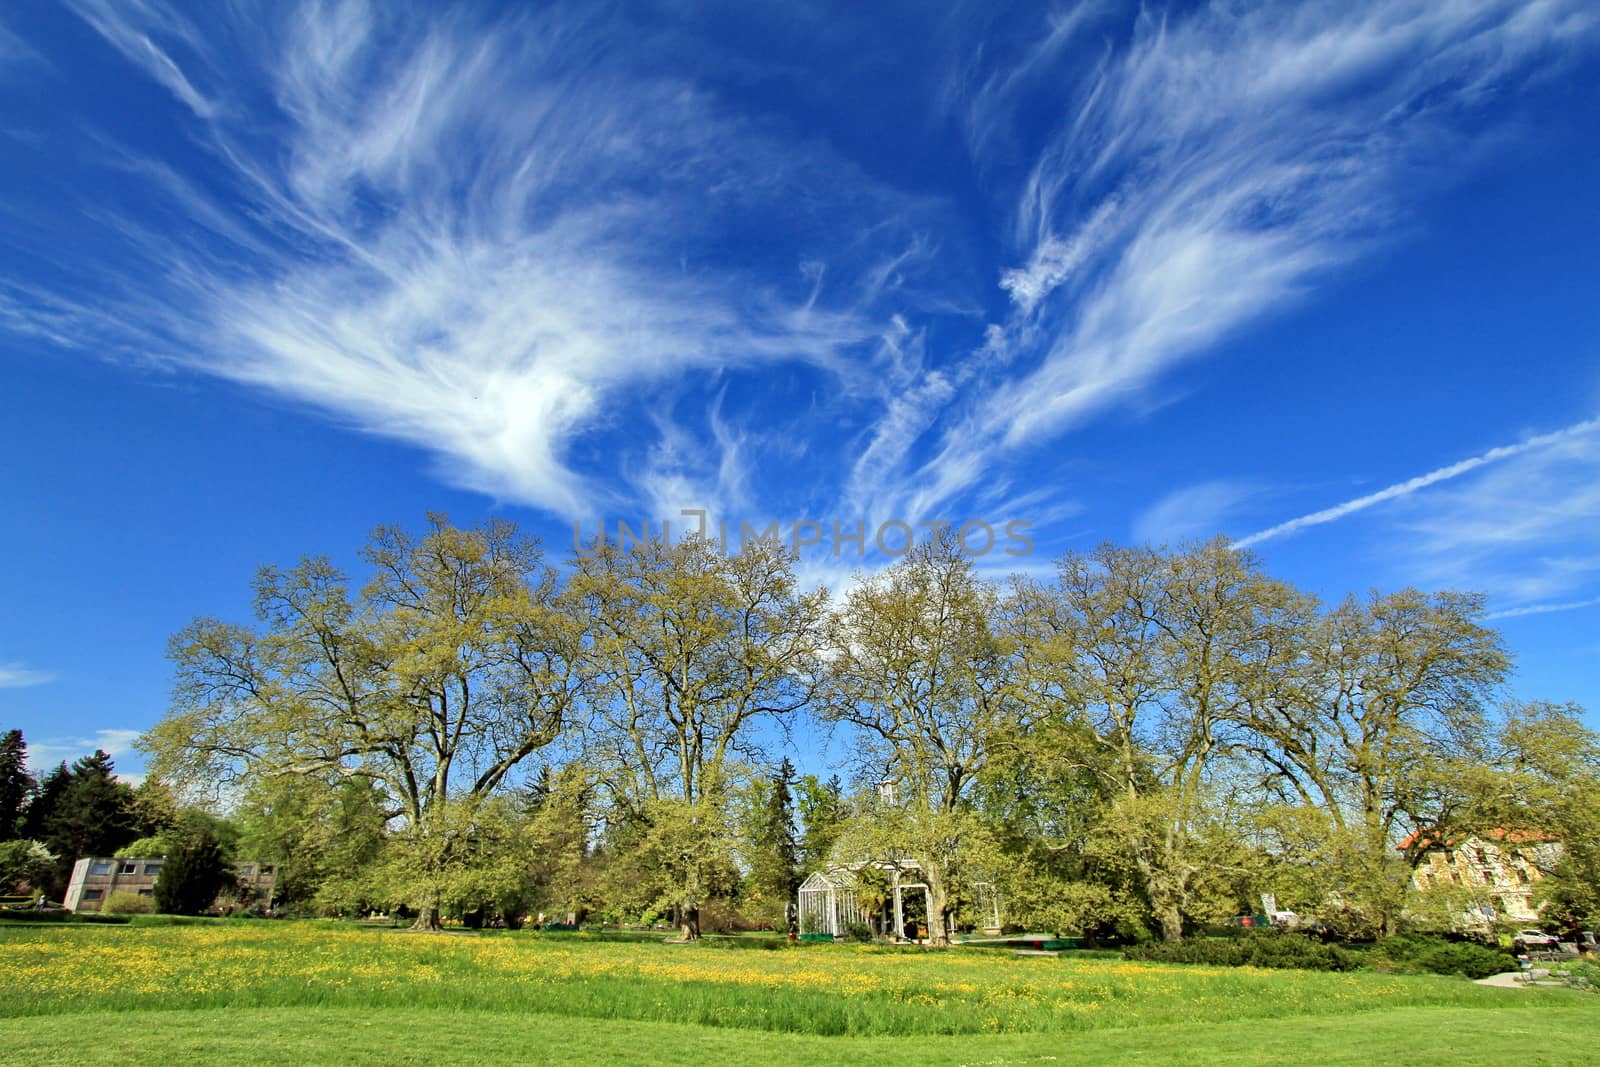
1143,662
1539,787
920,667
688,650
449,669
1381,704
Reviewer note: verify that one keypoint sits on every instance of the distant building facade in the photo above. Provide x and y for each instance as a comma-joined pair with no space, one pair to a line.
97,877
1499,870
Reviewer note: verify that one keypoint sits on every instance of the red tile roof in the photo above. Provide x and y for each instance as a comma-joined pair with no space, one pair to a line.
1510,837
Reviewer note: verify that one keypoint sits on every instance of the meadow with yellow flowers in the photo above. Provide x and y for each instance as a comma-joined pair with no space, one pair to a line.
75,993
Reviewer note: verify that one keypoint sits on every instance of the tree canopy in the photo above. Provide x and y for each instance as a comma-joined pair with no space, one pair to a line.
1139,743
449,668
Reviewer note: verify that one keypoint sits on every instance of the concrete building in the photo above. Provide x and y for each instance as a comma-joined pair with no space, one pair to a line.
97,877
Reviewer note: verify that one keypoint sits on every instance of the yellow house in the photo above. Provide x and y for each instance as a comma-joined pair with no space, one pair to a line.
1497,870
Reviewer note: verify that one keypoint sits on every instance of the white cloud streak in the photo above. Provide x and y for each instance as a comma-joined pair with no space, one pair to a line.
1422,481
1543,609
116,743
1525,530
20,676
15,53
1196,511
118,20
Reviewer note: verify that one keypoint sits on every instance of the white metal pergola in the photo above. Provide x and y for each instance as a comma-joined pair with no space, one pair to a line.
829,902
988,906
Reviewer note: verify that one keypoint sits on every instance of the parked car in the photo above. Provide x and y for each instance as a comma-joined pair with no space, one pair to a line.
1533,939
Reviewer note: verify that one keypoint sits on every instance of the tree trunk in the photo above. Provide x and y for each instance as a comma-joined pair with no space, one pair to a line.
427,919
1171,920
938,913
1165,890
688,922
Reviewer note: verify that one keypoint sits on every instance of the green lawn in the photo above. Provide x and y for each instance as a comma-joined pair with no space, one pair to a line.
308,992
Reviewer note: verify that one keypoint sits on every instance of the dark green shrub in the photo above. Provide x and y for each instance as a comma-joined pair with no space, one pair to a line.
29,915
1261,949
1474,961
857,932
173,920
1430,954
1403,948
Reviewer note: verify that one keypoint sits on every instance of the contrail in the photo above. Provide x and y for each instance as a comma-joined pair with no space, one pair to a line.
1541,609
1422,481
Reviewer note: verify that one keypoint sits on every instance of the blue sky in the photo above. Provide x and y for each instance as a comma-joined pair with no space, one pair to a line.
1320,278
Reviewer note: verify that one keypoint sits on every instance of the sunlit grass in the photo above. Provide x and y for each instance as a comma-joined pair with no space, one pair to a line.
820,990
379,1037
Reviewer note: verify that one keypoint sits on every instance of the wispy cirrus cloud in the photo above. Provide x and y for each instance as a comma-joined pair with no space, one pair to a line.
1195,511
1526,530
131,26
487,239
543,250
15,52
116,743
15,675
1206,169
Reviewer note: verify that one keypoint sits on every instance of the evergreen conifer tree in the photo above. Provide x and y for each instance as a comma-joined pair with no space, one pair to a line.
16,784
195,871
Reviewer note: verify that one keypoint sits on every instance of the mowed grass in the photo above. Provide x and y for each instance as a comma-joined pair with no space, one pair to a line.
272,1036
311,992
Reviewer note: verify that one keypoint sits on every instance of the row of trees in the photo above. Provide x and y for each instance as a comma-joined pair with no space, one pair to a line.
1148,739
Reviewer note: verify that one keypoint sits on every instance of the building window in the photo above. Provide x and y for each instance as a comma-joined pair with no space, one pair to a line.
128,867
153,868
100,867
147,892
247,870
1483,857
267,868
93,894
